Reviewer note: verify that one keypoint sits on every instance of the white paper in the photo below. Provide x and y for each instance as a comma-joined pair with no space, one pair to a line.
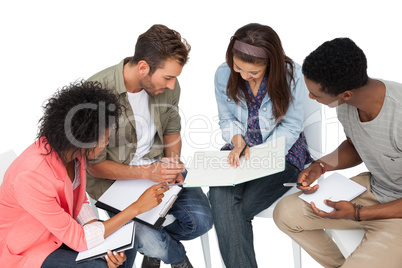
123,237
335,188
210,168
123,193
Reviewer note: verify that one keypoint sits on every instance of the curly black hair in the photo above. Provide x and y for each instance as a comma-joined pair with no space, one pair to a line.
76,117
337,65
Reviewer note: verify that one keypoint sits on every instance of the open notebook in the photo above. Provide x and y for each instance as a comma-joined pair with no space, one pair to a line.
210,168
123,193
335,188
120,240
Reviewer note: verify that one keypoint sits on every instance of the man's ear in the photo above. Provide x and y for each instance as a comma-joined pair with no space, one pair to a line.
347,95
143,68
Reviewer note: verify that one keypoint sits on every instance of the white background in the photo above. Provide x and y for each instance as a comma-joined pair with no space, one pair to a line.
47,44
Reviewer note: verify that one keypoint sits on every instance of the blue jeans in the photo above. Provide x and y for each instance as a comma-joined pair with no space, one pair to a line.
64,257
193,219
233,209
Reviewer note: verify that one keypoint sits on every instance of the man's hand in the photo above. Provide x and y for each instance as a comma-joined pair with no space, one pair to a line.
179,179
308,176
166,170
342,210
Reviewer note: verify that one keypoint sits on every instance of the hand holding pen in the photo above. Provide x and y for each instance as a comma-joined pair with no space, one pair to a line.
165,170
236,153
308,176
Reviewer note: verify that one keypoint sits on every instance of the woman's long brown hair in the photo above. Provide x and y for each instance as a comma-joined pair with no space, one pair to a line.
279,67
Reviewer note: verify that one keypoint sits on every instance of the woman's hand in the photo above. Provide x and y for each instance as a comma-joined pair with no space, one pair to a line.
115,259
234,155
151,197
148,200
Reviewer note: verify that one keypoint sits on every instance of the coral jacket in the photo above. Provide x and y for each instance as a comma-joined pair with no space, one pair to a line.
37,210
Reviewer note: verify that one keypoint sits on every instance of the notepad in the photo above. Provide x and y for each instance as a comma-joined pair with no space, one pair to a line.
335,188
120,240
123,193
210,168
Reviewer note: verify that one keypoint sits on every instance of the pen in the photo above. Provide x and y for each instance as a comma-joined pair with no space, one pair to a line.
242,151
163,161
166,162
173,184
290,184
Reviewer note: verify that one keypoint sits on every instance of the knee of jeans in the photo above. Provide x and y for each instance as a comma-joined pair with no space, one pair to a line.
204,222
201,222
285,213
218,195
148,242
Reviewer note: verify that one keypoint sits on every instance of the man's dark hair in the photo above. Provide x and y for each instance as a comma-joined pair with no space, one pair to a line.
337,65
158,44
76,117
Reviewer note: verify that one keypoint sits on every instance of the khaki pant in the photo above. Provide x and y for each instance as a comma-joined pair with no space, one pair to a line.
380,247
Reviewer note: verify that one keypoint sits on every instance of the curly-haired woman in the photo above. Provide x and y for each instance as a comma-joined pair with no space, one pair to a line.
45,215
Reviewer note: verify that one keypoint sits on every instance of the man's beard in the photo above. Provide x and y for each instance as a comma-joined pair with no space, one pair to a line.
149,87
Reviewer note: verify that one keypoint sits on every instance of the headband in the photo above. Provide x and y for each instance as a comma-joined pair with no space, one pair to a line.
250,49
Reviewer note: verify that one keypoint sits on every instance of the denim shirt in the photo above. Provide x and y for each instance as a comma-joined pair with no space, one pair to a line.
233,117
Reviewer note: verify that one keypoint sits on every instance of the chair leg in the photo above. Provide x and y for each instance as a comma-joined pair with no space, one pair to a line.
206,250
296,254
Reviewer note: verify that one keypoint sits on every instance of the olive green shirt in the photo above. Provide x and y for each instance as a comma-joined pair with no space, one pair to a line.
123,142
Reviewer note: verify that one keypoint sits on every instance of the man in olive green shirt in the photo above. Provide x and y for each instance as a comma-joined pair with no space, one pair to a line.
114,162
149,130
